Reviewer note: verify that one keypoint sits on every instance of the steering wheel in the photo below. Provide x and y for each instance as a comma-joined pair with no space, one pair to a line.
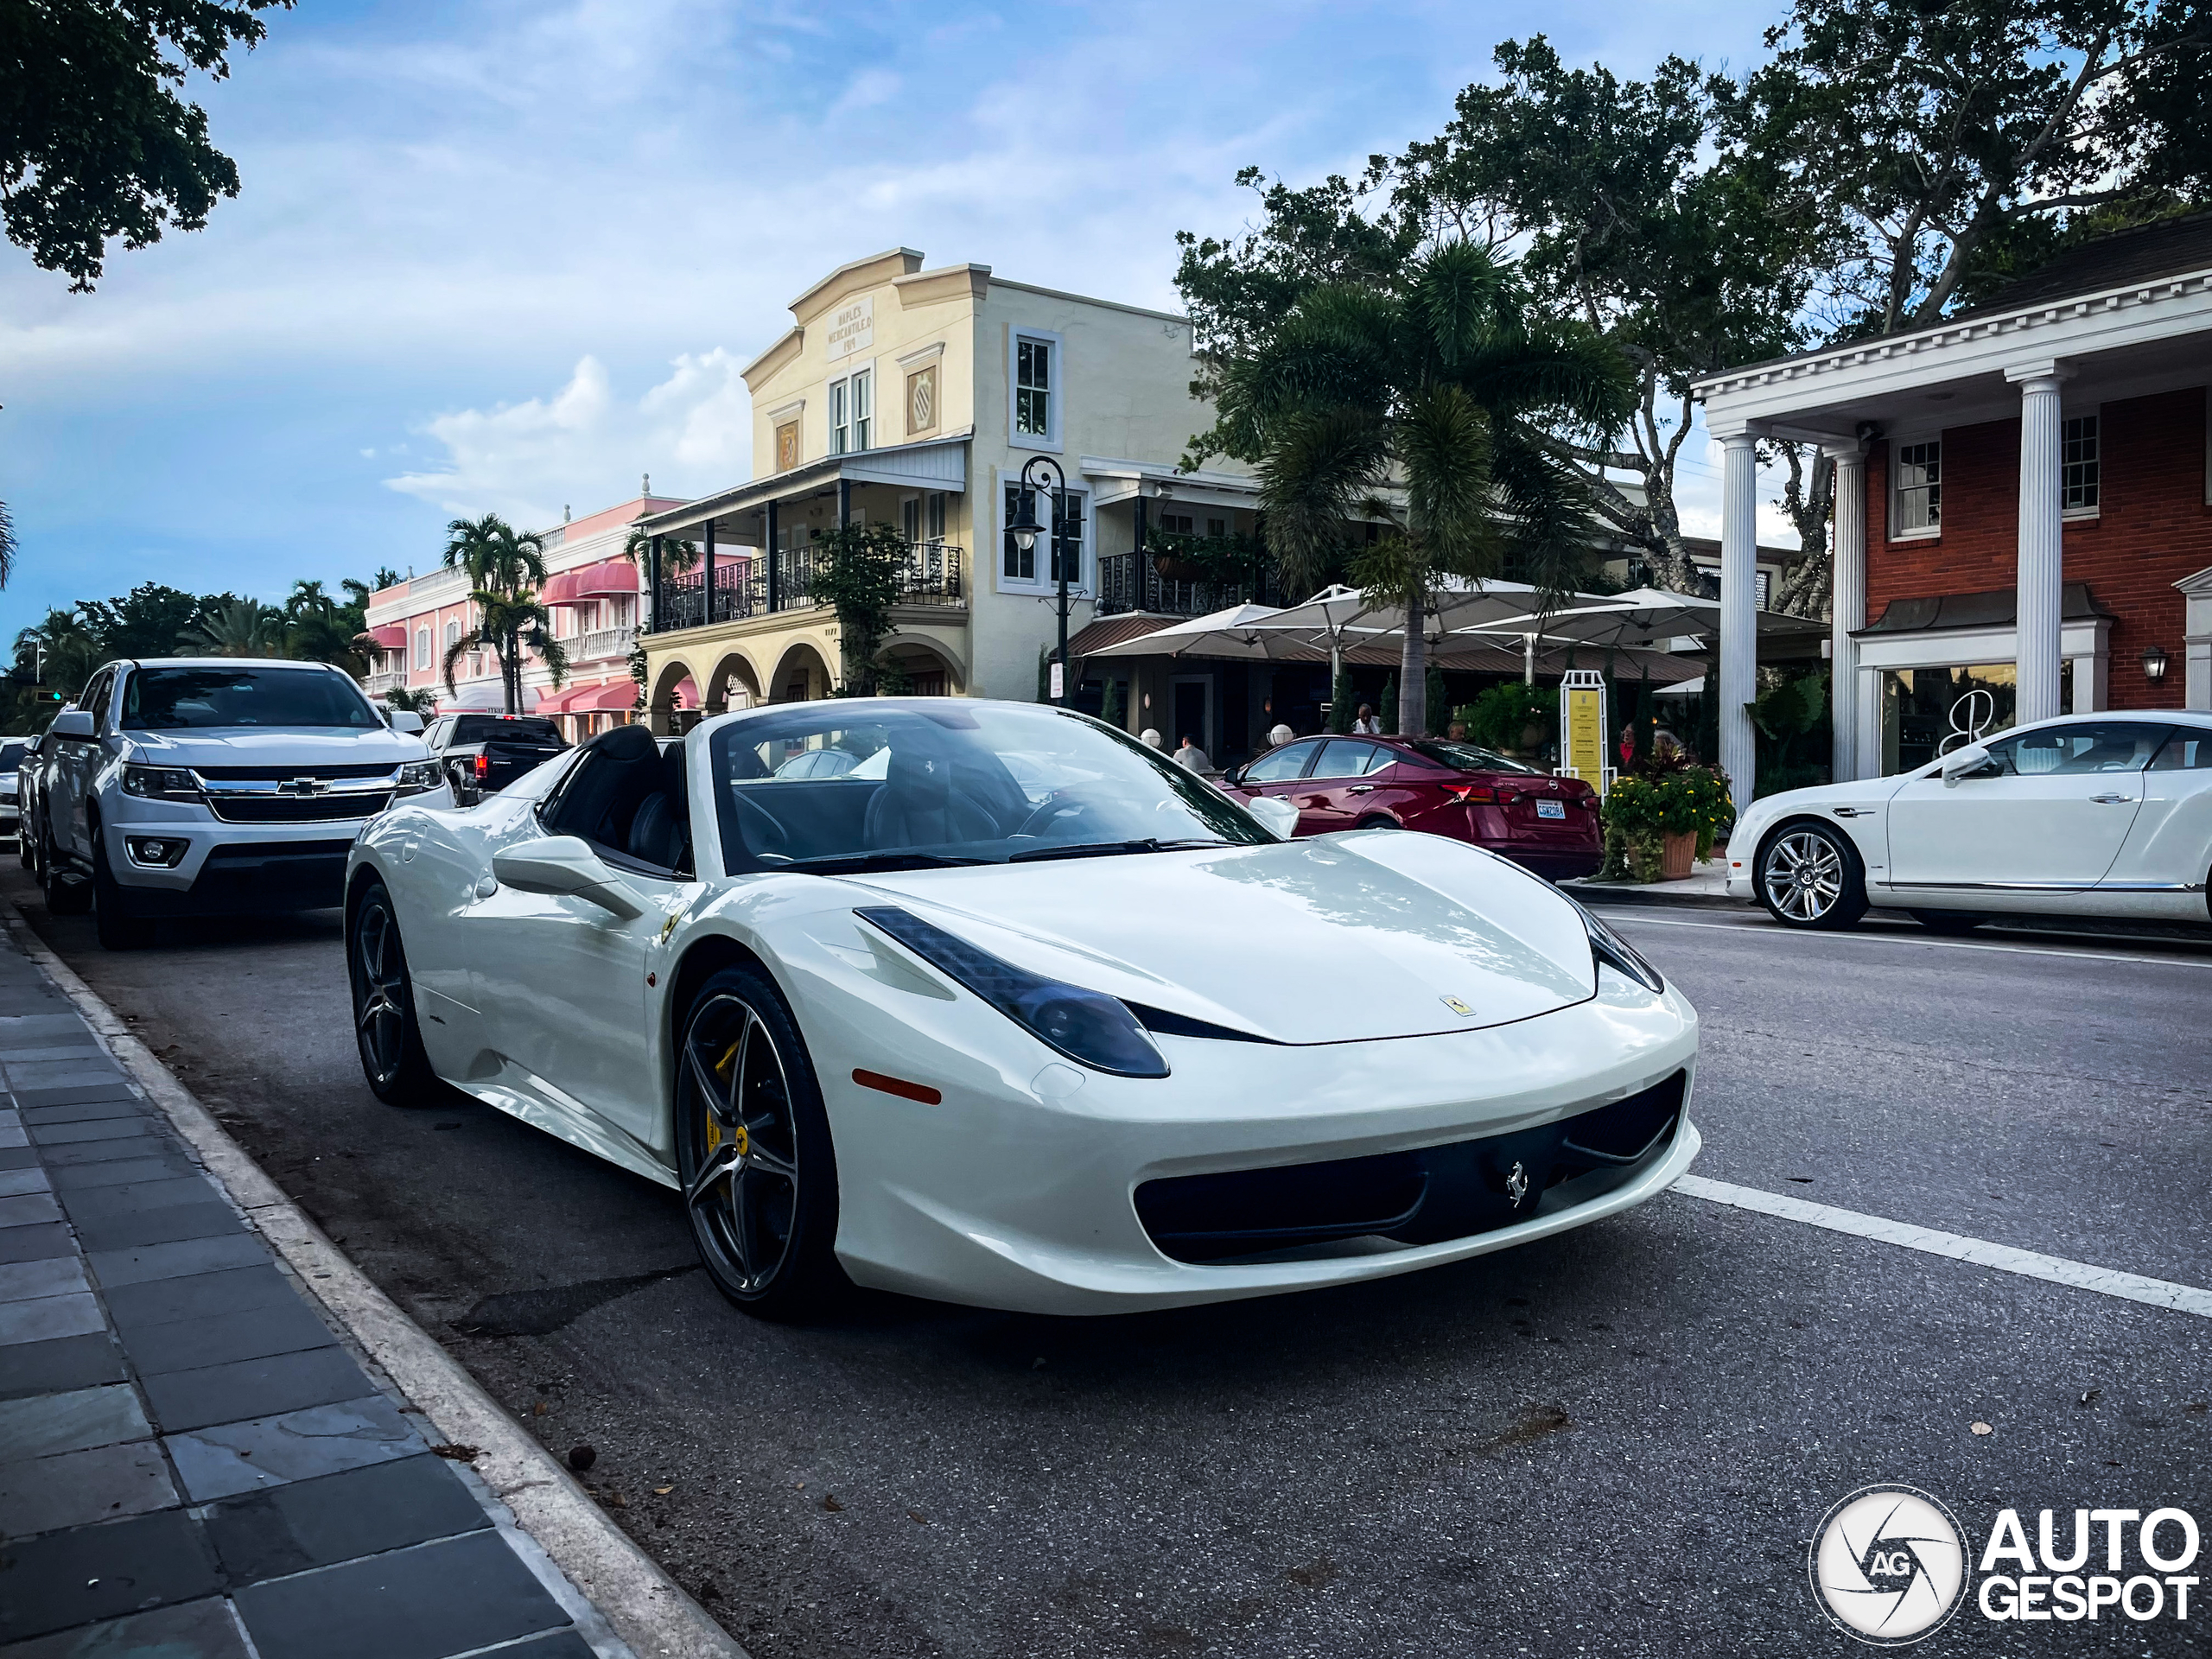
762,833
1070,806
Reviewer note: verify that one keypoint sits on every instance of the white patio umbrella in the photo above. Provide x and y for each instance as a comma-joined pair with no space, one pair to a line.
1643,616
1344,617
1234,633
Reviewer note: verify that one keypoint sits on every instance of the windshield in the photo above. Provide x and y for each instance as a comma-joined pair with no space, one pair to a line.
1465,757
171,699
909,783
525,728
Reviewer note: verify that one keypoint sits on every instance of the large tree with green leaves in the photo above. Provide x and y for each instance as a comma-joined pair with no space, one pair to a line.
1681,254
96,141
1437,403
229,625
1945,148
506,571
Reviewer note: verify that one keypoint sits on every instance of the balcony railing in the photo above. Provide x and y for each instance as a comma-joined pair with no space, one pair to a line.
931,573
603,643
1133,582
377,684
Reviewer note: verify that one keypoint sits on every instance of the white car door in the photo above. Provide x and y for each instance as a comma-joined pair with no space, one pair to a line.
2168,850
561,980
2048,813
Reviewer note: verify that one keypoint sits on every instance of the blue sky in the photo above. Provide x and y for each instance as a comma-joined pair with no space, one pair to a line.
507,255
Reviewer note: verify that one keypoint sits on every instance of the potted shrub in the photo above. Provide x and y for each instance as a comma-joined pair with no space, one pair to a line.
1659,821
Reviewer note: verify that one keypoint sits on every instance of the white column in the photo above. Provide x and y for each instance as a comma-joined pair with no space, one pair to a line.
2041,573
1739,577
1849,608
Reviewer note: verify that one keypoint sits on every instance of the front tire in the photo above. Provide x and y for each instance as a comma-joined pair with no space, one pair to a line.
760,1175
1808,876
385,1029
64,897
118,929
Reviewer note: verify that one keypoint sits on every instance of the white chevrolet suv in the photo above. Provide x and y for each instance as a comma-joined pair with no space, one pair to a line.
215,785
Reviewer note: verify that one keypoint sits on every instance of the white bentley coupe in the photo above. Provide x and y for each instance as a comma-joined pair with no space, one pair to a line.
989,1003
2088,815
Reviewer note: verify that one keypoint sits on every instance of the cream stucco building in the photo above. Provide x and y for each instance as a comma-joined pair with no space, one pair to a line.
913,397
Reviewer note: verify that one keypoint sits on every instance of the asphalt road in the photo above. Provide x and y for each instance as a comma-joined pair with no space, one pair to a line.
1618,1441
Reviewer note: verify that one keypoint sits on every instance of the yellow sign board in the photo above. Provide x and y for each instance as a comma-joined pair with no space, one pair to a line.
1582,727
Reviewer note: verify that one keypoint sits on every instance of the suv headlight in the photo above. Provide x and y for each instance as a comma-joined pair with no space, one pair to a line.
160,784
417,776
1087,1026
1608,949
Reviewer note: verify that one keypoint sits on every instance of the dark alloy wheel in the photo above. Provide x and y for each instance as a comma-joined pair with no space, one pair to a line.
384,1028
119,928
1377,821
752,1147
1949,921
1808,876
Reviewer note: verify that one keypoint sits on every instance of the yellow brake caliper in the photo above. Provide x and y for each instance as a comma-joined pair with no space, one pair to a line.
714,1124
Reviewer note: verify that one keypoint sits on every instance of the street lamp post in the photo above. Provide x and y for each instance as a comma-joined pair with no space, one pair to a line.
1024,530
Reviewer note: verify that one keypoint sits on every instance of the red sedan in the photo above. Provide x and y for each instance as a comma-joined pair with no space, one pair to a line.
1446,788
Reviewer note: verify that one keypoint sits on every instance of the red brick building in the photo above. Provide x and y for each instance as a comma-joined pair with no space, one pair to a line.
1981,580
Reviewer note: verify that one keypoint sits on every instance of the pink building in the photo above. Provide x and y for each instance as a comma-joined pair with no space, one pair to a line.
596,595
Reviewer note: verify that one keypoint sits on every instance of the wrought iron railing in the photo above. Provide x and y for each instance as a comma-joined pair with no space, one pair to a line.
1134,582
932,574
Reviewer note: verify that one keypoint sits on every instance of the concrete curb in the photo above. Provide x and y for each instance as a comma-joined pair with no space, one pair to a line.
647,1609
1610,893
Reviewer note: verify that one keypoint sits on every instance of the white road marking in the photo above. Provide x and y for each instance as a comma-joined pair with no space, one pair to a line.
1907,938
2055,1269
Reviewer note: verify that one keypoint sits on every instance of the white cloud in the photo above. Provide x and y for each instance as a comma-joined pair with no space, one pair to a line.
865,90
585,443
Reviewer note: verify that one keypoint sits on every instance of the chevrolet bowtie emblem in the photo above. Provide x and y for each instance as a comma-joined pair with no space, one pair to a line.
303,786
1459,1007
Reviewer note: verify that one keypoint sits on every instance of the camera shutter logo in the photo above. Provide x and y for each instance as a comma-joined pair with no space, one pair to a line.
1888,1565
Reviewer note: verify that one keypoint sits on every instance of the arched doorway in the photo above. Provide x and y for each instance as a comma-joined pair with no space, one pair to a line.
802,674
736,683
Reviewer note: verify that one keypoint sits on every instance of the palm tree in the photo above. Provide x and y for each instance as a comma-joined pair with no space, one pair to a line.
424,703
674,554
506,571
230,627
1434,406
320,629
7,545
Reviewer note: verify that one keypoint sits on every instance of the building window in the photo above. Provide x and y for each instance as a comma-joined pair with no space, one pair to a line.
921,400
1036,382
1066,542
1920,486
787,446
1179,524
422,647
851,410
453,636
2078,455
933,516
910,518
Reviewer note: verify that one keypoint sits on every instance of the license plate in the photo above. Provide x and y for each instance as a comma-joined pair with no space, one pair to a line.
1551,809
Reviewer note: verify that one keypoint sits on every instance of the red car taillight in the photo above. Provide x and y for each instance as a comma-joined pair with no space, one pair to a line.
483,765
1470,792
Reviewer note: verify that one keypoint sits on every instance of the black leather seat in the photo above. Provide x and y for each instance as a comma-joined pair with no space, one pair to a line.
920,806
660,830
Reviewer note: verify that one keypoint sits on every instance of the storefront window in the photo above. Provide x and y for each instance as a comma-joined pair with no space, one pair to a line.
1931,711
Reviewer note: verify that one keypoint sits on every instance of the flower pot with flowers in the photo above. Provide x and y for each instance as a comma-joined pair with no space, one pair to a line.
1663,818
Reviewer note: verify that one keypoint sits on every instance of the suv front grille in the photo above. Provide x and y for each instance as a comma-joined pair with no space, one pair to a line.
297,809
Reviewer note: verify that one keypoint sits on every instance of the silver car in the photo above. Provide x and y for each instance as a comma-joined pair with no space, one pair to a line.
185,786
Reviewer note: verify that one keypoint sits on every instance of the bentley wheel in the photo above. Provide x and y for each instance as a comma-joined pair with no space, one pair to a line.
753,1142
1809,877
385,1029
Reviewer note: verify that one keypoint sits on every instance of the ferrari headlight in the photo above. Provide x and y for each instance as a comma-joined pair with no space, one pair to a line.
160,784
1608,949
1089,1026
416,776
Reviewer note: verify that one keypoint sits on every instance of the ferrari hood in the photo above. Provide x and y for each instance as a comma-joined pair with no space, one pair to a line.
1338,940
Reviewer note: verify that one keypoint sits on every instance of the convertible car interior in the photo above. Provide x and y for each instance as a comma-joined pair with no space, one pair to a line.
625,796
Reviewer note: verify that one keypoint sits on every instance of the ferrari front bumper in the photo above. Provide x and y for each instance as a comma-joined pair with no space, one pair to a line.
1020,1193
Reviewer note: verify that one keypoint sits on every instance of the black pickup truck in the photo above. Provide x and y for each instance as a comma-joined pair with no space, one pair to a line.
483,753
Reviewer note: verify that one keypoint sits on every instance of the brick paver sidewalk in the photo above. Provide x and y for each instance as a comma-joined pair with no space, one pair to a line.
188,1458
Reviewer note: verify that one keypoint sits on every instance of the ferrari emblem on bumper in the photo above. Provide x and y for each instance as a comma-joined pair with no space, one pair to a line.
1517,1185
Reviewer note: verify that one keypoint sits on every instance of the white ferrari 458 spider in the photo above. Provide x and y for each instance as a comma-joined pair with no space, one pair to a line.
988,1002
